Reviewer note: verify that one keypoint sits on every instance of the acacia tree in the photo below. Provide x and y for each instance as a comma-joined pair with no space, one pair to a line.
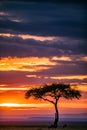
52,93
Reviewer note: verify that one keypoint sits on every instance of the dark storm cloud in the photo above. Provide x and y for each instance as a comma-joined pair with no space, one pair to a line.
19,47
43,19
16,46
66,69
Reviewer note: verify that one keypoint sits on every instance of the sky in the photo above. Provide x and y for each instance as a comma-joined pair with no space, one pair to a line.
41,43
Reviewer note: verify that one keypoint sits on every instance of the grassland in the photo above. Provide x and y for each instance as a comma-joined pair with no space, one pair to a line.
42,128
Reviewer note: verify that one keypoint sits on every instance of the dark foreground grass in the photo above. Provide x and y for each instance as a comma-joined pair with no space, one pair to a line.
42,128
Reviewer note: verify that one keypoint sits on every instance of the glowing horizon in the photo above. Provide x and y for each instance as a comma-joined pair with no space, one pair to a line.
45,105
23,105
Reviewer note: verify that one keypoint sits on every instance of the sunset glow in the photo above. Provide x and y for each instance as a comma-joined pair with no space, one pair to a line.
41,43
9,105
25,105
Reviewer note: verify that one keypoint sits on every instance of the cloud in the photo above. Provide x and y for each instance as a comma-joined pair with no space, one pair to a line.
43,19
66,69
31,64
58,46
42,30
15,79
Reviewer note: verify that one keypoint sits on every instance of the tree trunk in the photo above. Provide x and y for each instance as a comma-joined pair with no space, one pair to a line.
56,116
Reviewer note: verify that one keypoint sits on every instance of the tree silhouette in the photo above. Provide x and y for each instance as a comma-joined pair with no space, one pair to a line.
52,93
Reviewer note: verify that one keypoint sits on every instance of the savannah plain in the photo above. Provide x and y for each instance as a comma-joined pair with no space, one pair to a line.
42,128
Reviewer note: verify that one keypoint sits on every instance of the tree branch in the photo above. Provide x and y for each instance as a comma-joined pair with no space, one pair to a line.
48,100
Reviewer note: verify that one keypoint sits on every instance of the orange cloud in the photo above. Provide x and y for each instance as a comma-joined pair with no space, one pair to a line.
62,58
2,85
6,89
30,64
69,77
82,58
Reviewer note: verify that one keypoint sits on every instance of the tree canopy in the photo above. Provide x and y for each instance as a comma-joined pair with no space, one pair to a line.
52,93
